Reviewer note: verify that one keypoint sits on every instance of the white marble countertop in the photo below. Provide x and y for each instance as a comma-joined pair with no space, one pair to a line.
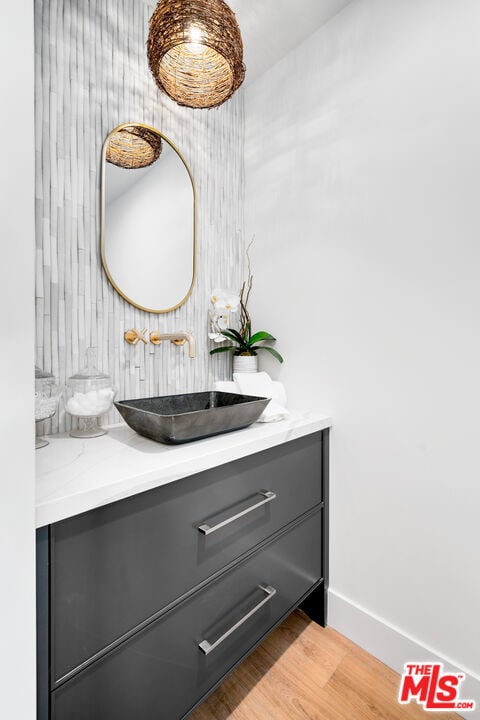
73,475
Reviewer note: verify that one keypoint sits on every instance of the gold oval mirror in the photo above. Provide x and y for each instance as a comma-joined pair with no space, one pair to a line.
148,218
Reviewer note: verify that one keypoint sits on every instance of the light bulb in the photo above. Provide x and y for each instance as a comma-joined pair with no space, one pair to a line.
195,34
195,44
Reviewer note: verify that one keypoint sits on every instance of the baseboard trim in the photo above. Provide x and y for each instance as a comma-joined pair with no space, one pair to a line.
391,646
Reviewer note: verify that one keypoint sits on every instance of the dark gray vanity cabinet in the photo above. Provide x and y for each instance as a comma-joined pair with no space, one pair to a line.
146,604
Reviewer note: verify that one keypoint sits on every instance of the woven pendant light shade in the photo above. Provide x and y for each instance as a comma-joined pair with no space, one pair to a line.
195,51
133,147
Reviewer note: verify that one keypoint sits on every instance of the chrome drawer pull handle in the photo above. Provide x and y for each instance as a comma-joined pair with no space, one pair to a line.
267,494
205,645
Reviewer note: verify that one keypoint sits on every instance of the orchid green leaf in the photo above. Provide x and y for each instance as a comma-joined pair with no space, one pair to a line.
262,335
222,350
233,335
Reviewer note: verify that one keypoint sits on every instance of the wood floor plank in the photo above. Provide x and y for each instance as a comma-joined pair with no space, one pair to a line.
305,672
366,685
307,649
235,701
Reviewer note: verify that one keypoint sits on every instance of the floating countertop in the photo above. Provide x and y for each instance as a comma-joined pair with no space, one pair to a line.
75,475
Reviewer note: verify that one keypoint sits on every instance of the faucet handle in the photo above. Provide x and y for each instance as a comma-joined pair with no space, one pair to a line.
155,337
183,340
133,336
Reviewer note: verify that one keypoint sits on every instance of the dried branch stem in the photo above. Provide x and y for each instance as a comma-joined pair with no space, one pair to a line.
245,295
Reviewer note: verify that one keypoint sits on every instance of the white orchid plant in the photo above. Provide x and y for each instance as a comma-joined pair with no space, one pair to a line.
225,304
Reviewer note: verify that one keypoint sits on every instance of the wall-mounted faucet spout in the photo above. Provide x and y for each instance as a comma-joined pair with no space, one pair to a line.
178,338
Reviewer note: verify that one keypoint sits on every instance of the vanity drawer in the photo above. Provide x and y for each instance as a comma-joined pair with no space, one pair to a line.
161,672
114,567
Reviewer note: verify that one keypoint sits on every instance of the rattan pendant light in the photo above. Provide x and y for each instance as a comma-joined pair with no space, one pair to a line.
133,147
195,51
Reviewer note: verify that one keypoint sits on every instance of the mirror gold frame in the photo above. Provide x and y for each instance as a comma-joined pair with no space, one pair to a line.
102,220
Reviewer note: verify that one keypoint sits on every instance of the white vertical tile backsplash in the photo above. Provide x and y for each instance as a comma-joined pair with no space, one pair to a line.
91,75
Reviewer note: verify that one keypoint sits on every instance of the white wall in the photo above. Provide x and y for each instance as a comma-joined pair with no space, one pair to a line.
363,190
17,538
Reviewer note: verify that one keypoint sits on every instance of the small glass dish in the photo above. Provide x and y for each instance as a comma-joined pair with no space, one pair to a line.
47,397
90,394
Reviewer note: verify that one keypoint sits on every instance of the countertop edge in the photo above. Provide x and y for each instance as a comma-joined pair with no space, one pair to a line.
59,499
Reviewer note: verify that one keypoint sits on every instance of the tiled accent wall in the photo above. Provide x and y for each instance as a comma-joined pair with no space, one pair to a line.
92,75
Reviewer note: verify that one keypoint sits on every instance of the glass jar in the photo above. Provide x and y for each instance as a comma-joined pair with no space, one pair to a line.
90,395
47,396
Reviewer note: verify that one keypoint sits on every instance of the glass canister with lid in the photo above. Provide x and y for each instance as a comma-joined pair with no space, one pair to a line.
90,395
47,396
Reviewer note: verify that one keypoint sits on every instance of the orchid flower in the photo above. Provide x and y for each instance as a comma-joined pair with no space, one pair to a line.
224,302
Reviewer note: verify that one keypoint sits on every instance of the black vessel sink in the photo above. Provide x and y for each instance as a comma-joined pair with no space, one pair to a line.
181,418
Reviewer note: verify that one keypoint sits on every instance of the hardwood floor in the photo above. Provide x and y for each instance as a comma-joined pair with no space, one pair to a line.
305,672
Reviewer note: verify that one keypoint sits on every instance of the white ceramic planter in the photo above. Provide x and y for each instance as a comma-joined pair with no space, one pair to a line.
245,363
